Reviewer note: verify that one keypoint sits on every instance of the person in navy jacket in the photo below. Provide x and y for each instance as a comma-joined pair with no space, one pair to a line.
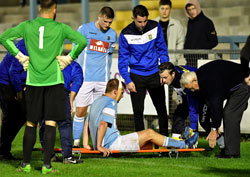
13,108
141,47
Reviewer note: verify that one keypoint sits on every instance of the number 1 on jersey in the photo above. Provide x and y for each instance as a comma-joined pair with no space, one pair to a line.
41,31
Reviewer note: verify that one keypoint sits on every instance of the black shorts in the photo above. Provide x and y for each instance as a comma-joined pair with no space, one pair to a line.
45,102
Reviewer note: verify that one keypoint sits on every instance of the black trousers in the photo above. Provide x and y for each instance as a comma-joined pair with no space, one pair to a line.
232,115
157,93
180,115
13,117
65,130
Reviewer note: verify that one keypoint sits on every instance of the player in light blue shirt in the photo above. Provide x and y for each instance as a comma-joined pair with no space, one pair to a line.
101,123
95,61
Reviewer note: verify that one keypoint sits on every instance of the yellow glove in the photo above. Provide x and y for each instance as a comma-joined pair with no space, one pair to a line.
23,59
64,61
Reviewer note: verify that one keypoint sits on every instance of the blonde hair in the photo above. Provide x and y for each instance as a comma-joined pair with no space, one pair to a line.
187,78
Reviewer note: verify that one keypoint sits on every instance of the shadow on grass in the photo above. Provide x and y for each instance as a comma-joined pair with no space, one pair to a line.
226,172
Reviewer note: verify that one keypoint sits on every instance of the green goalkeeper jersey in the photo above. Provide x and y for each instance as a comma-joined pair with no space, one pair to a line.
44,40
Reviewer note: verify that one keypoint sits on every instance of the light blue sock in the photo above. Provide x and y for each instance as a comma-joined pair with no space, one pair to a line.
78,125
170,142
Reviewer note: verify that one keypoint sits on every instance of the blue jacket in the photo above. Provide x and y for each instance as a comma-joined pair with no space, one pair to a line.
192,101
7,61
141,50
73,76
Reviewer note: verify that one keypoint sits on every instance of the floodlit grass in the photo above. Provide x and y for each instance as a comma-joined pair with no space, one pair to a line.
193,164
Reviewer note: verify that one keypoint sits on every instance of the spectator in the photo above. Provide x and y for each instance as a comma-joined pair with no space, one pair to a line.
245,57
172,30
141,46
201,33
217,85
105,135
11,103
96,62
44,95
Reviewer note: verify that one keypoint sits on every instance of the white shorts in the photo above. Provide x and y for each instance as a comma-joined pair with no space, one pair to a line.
88,92
126,142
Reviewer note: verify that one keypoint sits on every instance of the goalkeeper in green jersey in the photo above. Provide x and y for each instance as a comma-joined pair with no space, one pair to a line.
44,93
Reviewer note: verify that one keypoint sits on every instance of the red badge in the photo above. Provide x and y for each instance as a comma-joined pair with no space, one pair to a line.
98,46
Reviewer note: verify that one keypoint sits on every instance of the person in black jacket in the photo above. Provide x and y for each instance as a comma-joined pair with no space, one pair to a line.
201,32
245,57
218,81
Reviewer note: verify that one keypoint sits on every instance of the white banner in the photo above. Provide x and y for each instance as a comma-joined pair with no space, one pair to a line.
245,122
125,105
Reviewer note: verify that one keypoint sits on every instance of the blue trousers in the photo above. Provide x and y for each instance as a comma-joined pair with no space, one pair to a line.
65,130
13,117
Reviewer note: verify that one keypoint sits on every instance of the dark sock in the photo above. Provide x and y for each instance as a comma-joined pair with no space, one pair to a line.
49,142
29,140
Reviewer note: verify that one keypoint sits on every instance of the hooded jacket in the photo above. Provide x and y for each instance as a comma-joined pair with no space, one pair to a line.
201,32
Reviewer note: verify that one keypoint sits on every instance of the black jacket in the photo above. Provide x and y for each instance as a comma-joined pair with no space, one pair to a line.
201,33
245,57
217,81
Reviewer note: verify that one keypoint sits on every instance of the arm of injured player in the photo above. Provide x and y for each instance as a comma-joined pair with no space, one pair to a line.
100,135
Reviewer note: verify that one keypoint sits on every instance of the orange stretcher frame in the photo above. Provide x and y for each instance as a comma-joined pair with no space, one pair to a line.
87,151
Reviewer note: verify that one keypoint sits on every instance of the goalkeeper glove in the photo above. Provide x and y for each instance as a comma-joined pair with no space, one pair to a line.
23,59
64,61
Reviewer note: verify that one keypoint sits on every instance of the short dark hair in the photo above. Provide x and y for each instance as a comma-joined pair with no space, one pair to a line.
140,10
166,66
165,2
47,4
188,5
113,84
108,12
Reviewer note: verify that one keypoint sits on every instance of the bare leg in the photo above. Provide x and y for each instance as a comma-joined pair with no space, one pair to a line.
150,135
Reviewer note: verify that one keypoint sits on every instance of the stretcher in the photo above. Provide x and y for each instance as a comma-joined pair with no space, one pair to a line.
80,151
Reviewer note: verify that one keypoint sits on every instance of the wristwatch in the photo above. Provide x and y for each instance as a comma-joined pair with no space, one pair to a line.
214,129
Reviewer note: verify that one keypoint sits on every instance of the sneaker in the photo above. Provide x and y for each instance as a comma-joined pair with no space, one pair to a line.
76,146
26,169
72,160
192,142
76,143
188,133
54,158
8,156
177,138
46,170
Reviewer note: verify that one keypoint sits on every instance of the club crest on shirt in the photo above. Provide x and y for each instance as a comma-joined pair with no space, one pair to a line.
150,37
98,46
108,37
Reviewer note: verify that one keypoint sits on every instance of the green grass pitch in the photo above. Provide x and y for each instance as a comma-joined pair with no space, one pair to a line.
193,164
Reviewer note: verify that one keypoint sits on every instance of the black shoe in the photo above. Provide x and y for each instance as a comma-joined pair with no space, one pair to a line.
8,156
221,156
72,160
222,153
54,158
76,146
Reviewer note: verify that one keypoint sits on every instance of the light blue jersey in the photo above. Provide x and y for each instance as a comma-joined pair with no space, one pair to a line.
96,59
104,108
